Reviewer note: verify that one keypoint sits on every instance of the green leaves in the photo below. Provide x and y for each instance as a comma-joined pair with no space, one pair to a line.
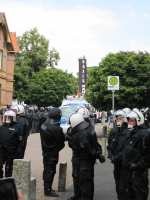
34,57
50,86
134,72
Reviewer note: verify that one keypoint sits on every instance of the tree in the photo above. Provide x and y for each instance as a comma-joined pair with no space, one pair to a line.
54,58
50,86
133,70
33,57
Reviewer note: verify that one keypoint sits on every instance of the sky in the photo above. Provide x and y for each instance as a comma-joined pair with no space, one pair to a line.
76,28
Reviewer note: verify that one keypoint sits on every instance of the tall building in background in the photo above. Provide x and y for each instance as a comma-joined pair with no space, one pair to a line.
82,75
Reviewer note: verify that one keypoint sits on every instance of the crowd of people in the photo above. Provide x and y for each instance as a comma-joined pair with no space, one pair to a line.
128,148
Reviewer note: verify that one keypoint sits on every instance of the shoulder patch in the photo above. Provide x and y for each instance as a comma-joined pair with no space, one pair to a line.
93,132
43,127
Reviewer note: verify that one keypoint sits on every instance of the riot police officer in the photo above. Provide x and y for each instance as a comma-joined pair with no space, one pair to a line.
29,114
11,143
136,157
8,107
84,155
42,117
84,112
22,123
35,121
116,142
52,141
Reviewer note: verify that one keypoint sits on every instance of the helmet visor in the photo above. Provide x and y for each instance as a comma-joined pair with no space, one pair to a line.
8,119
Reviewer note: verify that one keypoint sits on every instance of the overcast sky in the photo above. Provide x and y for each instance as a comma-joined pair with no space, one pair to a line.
75,28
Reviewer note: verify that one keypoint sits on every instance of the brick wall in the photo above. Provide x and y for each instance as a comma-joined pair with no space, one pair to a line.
6,73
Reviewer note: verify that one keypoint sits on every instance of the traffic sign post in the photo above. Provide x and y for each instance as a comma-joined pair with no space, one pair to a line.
113,84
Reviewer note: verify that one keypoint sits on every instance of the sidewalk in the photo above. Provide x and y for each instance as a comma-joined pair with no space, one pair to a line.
104,183
34,154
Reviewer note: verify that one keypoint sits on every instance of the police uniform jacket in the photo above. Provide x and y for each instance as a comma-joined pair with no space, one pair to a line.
52,139
36,115
29,114
116,140
135,150
11,142
24,126
82,148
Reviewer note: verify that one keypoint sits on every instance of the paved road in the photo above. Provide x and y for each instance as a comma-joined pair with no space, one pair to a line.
34,154
104,183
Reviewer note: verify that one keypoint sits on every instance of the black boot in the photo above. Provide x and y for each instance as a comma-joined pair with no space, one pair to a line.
8,170
49,192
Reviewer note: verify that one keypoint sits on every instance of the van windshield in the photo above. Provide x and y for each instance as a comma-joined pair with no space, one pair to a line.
68,111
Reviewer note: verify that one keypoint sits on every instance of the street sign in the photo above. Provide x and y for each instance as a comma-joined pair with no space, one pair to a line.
113,82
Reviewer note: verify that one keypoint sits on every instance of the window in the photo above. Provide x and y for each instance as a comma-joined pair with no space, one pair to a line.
1,59
83,61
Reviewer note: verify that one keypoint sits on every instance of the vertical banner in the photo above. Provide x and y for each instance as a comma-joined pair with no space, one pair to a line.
82,75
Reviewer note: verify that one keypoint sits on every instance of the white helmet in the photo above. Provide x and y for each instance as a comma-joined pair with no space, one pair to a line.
121,114
75,119
126,110
9,117
18,108
77,122
136,115
135,109
84,112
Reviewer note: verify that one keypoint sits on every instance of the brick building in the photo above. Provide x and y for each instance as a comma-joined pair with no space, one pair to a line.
8,48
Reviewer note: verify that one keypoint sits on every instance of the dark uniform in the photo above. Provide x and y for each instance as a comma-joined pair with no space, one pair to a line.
29,114
91,135
11,147
84,157
42,117
24,126
52,141
116,143
35,121
136,159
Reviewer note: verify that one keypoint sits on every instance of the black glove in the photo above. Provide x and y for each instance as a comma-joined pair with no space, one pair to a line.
115,160
133,166
101,158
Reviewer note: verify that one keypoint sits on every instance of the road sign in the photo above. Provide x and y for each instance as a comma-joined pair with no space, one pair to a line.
113,82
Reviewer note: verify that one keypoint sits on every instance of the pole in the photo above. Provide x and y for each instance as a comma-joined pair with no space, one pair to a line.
113,91
113,106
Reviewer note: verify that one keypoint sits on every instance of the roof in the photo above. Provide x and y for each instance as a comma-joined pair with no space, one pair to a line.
6,31
14,41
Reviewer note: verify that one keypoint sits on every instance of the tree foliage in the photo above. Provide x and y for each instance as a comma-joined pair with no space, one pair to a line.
54,58
133,70
50,86
34,56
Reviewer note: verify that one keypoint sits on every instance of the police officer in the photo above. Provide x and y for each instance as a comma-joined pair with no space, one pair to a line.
42,117
136,157
22,123
29,114
116,142
84,112
81,147
8,107
52,141
11,143
35,121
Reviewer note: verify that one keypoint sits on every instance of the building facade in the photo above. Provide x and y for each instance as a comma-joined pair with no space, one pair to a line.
8,48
